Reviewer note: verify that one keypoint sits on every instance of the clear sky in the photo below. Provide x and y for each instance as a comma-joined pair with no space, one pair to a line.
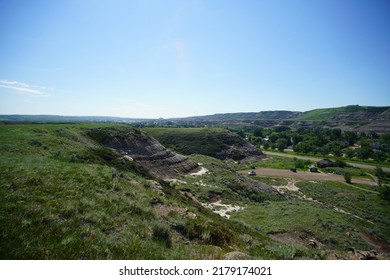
144,58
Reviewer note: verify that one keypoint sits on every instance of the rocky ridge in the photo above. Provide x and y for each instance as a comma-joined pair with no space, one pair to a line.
145,152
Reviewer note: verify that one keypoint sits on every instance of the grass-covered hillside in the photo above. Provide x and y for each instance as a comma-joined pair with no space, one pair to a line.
63,196
313,219
214,142
348,113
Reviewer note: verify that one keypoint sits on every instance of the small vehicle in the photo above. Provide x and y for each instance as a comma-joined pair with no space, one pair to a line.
252,173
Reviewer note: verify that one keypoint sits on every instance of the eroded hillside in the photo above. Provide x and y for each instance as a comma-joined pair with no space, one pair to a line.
218,143
146,152
67,192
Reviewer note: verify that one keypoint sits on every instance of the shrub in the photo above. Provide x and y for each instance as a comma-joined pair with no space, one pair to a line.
384,192
340,163
237,155
281,251
161,234
348,177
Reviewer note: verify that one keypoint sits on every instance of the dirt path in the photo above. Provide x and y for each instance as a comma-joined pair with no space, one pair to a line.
360,165
303,175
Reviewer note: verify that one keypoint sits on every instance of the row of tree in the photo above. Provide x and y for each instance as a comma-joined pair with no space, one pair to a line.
322,141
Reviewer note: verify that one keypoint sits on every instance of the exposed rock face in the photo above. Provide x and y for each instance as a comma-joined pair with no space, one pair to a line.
145,151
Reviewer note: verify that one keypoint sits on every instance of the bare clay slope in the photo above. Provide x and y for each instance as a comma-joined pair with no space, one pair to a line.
145,151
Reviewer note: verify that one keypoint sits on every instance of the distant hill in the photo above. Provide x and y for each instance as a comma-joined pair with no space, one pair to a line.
350,113
264,115
353,117
60,119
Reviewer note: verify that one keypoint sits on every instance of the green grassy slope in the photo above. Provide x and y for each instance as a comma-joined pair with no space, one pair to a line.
355,113
62,196
336,219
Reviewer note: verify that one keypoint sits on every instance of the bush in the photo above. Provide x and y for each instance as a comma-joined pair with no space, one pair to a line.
379,172
340,163
301,163
161,234
384,192
237,155
348,177
206,232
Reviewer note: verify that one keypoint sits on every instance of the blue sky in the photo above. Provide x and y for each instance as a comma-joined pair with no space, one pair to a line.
155,59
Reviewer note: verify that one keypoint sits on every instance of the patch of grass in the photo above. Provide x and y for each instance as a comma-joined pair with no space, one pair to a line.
270,162
271,181
161,234
283,251
367,205
55,210
353,171
205,141
303,217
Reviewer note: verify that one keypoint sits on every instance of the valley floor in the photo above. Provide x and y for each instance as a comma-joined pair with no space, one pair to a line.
359,165
303,175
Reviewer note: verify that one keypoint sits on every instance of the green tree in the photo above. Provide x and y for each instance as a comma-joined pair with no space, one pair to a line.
273,137
324,150
380,174
304,147
349,153
336,151
385,138
379,156
281,144
335,134
351,137
384,192
348,177
364,153
296,138
340,163
258,132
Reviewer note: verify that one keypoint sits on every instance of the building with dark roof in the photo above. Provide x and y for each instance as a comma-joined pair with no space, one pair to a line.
323,163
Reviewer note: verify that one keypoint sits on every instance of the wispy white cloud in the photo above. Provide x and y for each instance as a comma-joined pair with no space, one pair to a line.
23,88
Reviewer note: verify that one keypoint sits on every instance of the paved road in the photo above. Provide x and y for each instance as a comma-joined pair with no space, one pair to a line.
386,169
